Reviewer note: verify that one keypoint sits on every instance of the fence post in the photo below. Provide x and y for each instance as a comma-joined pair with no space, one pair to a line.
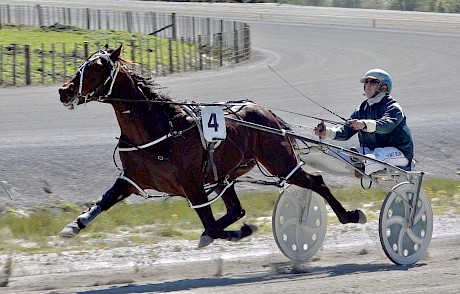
247,42
64,76
75,54
156,57
148,51
235,45
99,20
1,65
133,50
69,16
129,21
184,61
14,64
221,49
200,57
171,67
39,15
43,63
85,46
88,19
208,33
27,61
53,62
173,23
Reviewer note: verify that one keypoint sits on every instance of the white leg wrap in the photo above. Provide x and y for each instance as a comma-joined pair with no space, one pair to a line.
88,216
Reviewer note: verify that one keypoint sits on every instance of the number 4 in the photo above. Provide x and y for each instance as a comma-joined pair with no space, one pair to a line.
212,123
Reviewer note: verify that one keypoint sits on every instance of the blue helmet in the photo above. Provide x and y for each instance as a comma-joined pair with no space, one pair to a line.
379,74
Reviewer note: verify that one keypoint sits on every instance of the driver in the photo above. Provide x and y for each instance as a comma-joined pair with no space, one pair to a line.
380,123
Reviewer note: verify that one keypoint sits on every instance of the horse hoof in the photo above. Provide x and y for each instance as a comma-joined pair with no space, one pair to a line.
354,217
254,228
205,240
248,230
70,231
250,227
362,219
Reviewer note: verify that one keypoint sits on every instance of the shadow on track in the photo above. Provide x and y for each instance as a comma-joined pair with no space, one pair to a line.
274,277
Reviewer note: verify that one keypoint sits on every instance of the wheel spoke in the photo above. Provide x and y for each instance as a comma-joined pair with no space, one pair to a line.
310,229
400,242
414,238
296,202
308,206
395,220
289,222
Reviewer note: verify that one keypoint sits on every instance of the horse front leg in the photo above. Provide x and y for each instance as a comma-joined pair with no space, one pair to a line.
215,229
119,191
233,206
234,213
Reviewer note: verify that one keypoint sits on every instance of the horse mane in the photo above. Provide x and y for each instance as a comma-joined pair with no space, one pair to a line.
150,88
147,85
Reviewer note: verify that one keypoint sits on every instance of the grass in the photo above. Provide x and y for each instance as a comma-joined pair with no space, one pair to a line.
154,221
57,51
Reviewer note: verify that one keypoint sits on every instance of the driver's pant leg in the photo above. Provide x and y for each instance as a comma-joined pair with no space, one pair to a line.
389,155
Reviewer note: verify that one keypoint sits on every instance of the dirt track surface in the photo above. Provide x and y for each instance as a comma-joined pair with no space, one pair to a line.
351,261
69,154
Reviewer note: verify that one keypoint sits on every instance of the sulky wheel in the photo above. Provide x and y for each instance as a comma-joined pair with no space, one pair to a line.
299,223
405,241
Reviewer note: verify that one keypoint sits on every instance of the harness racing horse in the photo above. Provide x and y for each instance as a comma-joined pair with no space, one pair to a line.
161,148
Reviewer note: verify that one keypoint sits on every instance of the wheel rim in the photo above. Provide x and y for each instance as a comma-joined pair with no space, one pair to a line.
405,243
299,223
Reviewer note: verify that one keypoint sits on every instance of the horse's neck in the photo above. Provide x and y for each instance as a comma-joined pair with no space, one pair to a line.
139,122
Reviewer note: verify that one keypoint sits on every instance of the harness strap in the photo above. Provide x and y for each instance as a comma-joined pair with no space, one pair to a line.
283,182
211,162
138,188
113,74
125,149
227,185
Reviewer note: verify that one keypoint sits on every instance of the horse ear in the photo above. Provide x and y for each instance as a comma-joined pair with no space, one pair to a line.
106,47
116,53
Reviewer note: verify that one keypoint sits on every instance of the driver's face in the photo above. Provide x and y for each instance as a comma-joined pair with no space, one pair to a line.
370,86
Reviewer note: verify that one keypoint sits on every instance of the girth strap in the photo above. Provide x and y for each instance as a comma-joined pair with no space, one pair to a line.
146,145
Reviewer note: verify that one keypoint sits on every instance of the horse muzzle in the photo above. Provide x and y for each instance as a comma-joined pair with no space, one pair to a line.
68,96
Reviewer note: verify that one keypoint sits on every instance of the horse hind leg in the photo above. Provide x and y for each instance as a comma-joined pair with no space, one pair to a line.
279,158
316,184
119,191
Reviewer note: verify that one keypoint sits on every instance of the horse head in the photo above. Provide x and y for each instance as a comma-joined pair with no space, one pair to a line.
93,79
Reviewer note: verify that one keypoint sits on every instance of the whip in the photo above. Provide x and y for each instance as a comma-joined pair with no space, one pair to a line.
342,118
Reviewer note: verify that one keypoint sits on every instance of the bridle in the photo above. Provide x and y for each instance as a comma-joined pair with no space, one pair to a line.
114,70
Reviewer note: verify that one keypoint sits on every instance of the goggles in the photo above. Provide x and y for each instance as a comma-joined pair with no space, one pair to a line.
372,81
